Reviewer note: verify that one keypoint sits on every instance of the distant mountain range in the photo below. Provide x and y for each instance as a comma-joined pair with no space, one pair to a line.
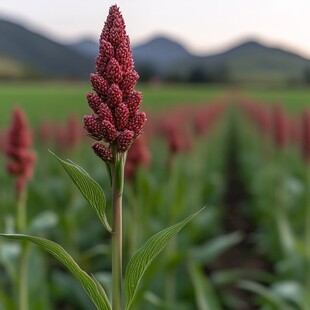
24,53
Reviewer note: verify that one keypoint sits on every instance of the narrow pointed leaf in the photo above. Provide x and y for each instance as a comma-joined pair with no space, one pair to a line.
142,259
89,188
269,296
92,288
206,298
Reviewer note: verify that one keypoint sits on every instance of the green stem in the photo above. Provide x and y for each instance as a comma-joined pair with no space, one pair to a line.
22,212
117,192
23,263
23,283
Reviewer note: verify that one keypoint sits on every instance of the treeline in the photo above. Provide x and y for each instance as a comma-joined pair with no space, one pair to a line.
195,74
217,74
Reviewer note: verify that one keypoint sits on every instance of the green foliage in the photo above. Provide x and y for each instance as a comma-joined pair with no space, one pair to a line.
89,188
61,99
143,258
91,286
209,251
205,295
269,296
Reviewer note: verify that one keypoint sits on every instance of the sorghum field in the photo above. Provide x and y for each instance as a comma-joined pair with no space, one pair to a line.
244,155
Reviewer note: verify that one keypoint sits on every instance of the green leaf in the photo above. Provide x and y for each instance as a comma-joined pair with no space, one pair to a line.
42,222
209,251
289,290
6,302
142,259
92,287
268,295
206,298
89,188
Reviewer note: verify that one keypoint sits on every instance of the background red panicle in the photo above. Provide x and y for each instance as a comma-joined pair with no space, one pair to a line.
207,115
66,136
2,139
17,148
174,126
138,156
306,136
281,129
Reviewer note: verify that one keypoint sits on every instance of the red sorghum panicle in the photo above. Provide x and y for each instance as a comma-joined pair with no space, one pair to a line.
124,139
18,143
104,113
129,82
100,85
102,151
93,127
116,119
94,102
115,96
280,126
73,131
306,136
109,132
136,123
121,116
138,156
133,102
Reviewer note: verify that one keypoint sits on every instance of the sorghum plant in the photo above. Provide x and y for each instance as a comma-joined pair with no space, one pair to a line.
115,124
20,165
17,148
138,156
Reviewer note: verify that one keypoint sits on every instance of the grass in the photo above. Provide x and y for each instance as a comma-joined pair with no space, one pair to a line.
58,100
295,99
55,100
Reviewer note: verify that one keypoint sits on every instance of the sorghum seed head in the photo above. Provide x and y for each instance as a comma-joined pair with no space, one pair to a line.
116,105
100,85
124,140
121,116
137,122
113,71
117,30
19,134
101,64
123,55
138,155
280,126
108,131
104,113
102,151
106,49
133,102
94,102
93,127
129,82
114,96
18,142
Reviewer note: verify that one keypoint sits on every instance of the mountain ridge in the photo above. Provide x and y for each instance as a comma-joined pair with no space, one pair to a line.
162,55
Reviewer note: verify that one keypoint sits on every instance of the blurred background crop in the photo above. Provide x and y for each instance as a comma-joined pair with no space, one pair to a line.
226,85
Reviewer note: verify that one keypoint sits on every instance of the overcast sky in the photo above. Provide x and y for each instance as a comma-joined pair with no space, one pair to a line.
201,25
